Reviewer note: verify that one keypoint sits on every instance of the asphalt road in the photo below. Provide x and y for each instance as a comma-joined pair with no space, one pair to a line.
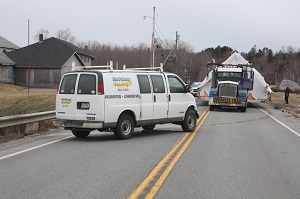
232,155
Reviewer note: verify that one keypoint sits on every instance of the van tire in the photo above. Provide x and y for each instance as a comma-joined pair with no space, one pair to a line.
148,127
189,122
81,134
125,127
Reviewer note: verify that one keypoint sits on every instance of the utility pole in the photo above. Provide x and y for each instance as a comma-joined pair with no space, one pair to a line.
153,39
28,68
176,58
152,57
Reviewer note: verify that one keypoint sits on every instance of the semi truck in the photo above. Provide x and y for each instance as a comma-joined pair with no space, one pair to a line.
232,84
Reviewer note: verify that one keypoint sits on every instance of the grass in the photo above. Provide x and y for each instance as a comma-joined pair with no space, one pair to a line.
16,100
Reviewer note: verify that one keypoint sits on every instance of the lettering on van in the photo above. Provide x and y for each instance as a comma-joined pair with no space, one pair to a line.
122,96
112,96
132,96
122,82
66,101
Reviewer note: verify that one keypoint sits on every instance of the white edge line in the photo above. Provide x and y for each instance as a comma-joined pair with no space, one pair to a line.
36,147
281,123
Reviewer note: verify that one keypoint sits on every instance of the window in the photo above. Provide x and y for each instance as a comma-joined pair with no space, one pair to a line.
176,86
87,84
144,84
158,84
68,84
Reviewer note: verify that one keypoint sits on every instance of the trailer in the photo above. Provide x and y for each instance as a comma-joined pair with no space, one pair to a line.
232,84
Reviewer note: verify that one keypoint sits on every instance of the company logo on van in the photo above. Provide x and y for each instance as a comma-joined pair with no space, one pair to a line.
66,101
122,82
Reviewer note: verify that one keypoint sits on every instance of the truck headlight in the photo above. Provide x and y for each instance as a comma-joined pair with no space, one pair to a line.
213,91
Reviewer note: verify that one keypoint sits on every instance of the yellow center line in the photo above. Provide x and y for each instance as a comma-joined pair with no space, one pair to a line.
167,171
156,169
139,190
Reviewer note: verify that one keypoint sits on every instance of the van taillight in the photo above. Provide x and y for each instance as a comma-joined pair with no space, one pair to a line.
100,88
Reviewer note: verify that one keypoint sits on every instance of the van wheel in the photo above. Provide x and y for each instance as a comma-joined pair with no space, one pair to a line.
211,107
148,127
189,122
81,134
124,129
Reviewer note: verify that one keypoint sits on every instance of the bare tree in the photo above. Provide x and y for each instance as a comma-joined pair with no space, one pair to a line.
65,35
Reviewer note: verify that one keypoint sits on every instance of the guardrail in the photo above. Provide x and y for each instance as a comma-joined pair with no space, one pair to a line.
13,120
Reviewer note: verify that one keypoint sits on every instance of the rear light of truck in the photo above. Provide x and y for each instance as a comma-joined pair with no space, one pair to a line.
100,89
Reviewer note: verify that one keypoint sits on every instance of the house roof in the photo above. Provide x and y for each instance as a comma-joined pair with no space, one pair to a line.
5,60
4,43
49,53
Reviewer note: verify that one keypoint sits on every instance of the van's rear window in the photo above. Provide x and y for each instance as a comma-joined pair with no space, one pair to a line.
68,84
87,84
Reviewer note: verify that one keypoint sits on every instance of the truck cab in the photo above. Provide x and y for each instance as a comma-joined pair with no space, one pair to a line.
230,86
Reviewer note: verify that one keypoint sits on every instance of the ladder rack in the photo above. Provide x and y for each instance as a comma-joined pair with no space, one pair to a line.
160,68
109,67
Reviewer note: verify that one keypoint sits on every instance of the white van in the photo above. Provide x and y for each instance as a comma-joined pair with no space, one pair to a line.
105,99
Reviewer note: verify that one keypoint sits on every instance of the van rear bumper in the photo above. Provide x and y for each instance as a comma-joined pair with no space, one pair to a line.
78,124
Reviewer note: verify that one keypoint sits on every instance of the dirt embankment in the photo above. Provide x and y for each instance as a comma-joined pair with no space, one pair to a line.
278,102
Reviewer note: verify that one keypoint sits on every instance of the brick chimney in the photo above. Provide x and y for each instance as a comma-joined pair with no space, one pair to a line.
41,37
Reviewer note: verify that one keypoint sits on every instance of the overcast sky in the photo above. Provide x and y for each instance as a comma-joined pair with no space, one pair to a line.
238,24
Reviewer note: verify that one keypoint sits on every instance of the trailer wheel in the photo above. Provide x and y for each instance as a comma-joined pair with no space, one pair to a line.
148,127
125,127
81,134
189,122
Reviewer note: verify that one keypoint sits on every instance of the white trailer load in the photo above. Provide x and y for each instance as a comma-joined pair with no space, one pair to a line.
261,89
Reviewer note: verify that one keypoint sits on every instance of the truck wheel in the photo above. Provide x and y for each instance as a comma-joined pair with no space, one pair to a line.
124,129
243,109
148,127
81,134
211,107
189,122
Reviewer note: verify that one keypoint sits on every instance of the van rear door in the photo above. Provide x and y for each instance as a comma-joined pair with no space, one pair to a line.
79,97
66,99
89,102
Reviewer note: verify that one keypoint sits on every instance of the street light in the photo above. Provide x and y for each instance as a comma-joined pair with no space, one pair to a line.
152,41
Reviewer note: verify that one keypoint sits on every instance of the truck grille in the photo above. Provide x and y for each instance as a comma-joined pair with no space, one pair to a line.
228,90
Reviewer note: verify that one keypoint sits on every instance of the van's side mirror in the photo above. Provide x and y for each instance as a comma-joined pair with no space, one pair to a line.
187,88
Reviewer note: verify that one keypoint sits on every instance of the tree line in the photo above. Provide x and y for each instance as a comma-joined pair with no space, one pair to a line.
182,60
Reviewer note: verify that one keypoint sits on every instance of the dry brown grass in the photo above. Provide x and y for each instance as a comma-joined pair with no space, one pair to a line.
16,100
279,102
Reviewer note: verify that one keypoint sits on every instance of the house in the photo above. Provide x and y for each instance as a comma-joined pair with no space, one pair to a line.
43,63
6,64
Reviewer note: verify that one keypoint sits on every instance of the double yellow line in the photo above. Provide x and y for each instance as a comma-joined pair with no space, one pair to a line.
162,170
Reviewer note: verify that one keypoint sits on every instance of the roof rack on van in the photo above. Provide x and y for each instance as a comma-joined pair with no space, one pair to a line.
160,68
110,67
